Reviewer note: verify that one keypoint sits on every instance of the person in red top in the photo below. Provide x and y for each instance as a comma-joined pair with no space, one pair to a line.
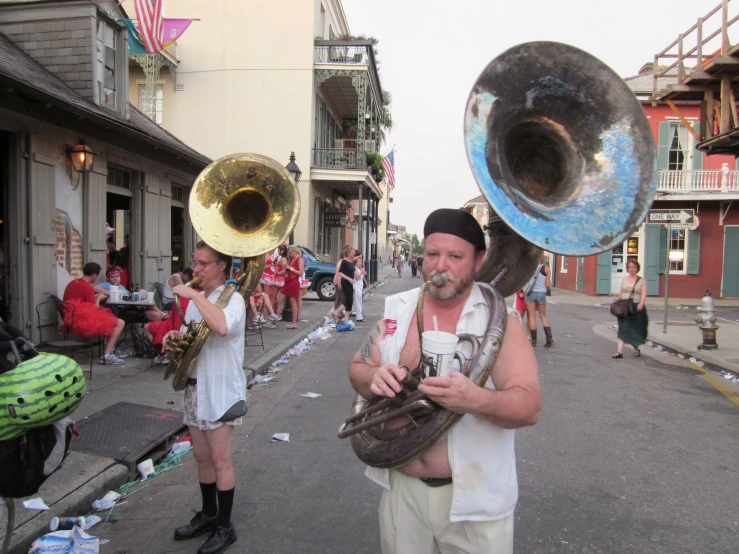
88,319
292,271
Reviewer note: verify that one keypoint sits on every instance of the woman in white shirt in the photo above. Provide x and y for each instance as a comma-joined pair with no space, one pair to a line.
359,273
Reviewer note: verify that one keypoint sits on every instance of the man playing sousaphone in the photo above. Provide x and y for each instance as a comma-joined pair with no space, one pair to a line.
215,397
461,493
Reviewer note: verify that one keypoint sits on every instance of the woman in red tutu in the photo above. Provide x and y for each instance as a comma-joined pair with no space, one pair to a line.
292,268
156,330
84,317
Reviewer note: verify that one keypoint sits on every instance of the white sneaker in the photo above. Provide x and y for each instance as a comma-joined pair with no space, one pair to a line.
274,317
111,359
163,360
300,317
120,354
269,325
261,319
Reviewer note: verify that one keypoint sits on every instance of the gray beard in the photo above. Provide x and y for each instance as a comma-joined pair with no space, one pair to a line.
439,293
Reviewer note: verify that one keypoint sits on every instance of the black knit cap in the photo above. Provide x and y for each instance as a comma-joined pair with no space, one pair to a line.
455,222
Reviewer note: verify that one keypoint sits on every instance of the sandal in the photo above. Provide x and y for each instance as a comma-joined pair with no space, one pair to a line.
291,327
617,356
637,352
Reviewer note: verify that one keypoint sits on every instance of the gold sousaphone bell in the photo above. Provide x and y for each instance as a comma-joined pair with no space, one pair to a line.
243,205
563,153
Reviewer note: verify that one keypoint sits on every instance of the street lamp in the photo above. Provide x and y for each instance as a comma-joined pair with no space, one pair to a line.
82,157
293,168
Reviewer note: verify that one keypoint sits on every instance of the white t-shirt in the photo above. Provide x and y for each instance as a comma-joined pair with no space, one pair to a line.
219,366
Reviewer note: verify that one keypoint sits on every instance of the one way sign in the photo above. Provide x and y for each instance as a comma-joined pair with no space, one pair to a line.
671,216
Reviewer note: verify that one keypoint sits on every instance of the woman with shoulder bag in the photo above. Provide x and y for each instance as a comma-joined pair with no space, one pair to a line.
634,326
536,302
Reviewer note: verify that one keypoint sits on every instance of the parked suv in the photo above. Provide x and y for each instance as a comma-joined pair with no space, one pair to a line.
319,273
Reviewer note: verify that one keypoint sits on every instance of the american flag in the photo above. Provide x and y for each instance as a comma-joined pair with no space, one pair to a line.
149,15
388,166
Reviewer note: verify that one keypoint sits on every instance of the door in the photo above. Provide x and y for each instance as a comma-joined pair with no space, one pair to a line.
603,276
617,268
579,279
730,277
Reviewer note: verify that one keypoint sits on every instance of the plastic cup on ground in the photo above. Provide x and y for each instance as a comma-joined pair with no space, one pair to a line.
65,523
146,468
438,353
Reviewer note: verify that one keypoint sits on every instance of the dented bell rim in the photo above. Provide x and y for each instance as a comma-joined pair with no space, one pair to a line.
560,148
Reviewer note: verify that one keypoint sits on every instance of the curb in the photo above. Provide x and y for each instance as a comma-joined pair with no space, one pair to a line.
260,365
77,501
709,362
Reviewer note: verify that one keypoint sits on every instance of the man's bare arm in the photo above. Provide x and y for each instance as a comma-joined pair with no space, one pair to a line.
367,374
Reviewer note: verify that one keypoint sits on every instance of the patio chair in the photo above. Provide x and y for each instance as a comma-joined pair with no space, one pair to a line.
254,329
166,306
47,322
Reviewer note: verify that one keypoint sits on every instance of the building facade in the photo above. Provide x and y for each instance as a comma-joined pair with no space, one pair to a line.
702,251
273,78
63,70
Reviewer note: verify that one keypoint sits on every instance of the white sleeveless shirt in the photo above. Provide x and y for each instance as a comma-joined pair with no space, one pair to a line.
481,454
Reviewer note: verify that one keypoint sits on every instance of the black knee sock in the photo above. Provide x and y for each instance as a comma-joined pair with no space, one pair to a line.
225,503
208,491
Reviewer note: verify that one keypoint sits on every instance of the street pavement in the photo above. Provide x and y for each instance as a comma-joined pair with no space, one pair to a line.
631,456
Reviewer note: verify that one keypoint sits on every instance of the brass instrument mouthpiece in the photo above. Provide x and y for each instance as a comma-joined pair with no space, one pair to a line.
439,280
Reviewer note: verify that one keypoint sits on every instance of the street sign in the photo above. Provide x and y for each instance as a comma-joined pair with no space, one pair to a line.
671,216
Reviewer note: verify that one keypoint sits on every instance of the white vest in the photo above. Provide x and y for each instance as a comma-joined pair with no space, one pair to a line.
481,454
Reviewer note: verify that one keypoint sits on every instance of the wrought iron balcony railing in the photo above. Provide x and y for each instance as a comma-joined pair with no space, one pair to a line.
339,158
697,181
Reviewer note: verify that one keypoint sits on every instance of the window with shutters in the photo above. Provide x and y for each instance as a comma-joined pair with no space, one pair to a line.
105,59
681,154
564,265
119,178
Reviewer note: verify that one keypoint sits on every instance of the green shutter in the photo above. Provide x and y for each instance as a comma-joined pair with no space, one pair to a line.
663,142
603,276
697,154
730,277
652,257
694,252
662,260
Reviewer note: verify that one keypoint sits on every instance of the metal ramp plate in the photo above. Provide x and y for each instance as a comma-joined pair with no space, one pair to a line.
127,432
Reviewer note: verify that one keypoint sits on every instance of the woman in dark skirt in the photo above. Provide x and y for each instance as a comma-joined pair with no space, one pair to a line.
633,328
344,281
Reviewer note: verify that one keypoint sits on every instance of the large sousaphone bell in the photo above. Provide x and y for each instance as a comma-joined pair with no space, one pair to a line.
244,205
564,154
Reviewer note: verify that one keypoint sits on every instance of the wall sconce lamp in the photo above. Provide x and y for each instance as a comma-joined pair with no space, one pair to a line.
82,157
293,168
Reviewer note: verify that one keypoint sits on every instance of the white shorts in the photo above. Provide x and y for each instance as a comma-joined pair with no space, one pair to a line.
415,518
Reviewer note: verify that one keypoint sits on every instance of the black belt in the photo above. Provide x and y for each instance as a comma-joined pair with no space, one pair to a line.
192,382
436,482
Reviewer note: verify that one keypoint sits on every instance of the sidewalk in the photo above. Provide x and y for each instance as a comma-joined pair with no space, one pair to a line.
683,335
85,478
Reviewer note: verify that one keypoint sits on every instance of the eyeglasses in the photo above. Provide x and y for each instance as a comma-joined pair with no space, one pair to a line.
203,265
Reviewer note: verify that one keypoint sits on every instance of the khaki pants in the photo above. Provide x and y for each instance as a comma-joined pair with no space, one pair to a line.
414,519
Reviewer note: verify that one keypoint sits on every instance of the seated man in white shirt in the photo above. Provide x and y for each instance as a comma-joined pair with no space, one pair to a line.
460,494
183,276
215,397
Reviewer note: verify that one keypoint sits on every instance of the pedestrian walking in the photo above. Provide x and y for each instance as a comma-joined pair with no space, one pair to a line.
436,503
414,267
400,267
633,328
536,302
359,274
344,281
215,397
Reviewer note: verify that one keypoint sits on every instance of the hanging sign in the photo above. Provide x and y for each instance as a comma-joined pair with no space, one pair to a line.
672,216
632,246
334,218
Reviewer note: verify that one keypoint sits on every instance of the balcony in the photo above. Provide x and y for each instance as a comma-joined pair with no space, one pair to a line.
339,158
721,183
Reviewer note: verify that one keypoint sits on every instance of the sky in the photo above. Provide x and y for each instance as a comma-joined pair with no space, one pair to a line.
432,51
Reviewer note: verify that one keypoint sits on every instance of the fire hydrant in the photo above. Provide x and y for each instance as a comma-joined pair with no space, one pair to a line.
707,323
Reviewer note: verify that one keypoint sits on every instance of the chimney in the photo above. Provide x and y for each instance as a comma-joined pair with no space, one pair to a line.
647,68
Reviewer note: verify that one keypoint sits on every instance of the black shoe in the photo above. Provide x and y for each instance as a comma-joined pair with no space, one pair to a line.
220,539
198,525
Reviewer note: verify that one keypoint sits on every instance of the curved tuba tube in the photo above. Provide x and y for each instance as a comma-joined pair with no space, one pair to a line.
243,205
563,153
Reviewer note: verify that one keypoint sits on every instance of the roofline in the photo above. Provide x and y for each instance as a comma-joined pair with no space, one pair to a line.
108,123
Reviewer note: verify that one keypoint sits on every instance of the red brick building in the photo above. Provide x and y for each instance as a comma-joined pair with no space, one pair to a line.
703,255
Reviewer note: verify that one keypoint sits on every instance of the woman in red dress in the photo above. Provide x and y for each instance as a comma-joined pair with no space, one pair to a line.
292,268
